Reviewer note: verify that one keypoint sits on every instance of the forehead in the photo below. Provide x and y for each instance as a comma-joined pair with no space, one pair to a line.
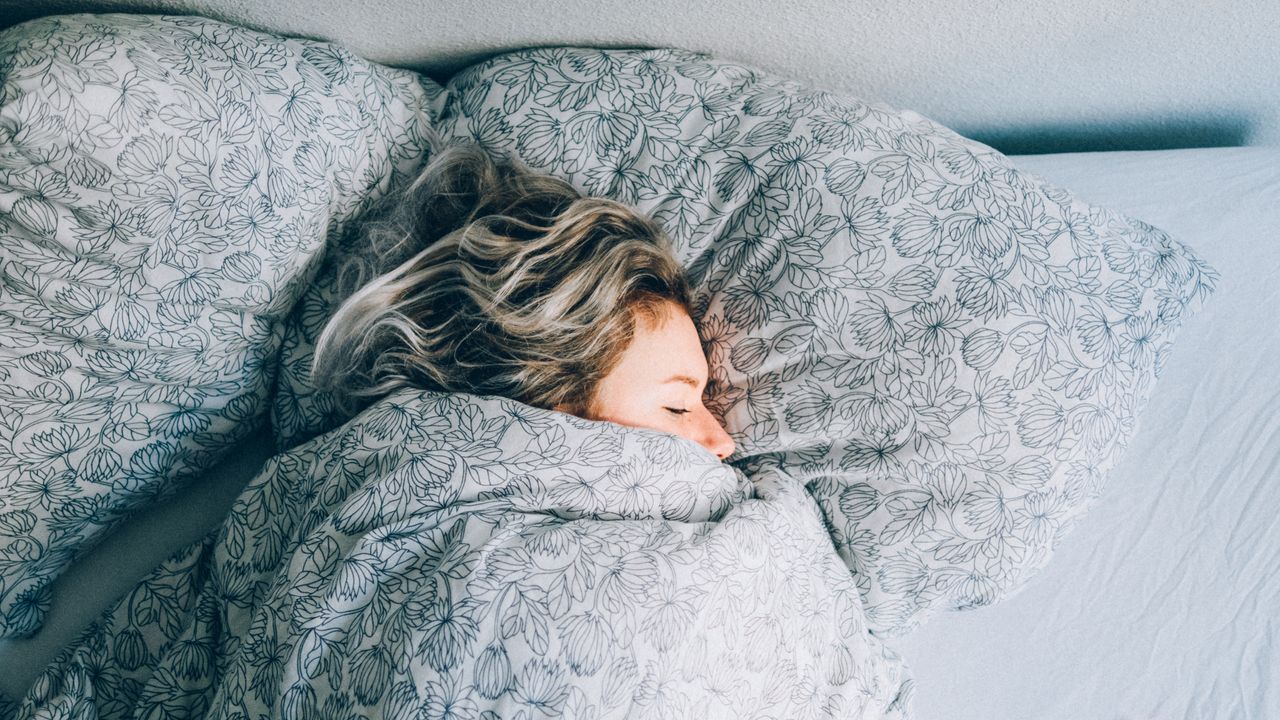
666,348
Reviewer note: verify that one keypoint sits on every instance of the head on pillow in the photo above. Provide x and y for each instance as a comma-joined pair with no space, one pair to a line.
486,278
948,352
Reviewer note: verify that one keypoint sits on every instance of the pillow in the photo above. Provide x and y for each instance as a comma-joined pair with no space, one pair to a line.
166,185
949,351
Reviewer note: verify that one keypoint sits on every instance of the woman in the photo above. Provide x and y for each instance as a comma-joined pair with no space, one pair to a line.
355,578
510,283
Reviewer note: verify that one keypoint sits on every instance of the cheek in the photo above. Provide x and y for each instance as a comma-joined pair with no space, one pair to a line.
640,410
618,403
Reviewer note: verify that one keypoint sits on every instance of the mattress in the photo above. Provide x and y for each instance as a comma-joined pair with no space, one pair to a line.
1163,600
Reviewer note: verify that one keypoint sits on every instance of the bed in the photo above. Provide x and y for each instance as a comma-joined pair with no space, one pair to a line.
1134,616
1163,603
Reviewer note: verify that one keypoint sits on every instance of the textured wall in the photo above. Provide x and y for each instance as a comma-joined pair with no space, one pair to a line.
1023,76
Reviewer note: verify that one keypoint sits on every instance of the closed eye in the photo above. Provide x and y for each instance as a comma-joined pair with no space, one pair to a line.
676,411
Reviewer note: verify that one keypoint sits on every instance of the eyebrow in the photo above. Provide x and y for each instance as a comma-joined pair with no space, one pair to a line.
682,379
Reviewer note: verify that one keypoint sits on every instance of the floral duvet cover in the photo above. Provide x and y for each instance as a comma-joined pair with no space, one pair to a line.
458,556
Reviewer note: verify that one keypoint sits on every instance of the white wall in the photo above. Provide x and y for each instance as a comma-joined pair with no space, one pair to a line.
1024,76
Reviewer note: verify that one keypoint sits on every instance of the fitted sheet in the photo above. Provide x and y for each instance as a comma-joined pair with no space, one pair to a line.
1164,602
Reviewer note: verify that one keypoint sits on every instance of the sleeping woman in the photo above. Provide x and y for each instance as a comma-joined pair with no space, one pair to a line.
531,292
447,555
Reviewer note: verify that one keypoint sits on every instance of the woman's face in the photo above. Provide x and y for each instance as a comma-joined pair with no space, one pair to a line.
658,383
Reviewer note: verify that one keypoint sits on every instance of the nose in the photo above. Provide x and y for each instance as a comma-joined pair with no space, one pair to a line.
713,437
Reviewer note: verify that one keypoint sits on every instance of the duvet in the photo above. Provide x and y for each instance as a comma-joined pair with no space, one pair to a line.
458,556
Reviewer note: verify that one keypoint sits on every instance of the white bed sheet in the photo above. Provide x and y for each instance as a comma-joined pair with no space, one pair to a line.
1164,602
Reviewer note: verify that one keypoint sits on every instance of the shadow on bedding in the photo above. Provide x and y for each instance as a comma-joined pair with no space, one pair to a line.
1151,134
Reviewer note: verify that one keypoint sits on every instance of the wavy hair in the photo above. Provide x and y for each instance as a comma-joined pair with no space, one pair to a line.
501,282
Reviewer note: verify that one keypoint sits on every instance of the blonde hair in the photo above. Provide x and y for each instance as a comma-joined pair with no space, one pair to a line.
503,282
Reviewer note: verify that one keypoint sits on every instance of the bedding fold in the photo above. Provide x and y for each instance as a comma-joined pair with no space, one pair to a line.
462,555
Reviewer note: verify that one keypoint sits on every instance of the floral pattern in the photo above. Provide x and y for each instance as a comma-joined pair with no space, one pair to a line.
949,352
166,186
455,556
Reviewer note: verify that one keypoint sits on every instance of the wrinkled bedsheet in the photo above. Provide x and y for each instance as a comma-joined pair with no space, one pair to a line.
456,554
1165,602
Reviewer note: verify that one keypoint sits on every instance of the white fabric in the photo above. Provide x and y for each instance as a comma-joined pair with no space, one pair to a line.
1164,602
